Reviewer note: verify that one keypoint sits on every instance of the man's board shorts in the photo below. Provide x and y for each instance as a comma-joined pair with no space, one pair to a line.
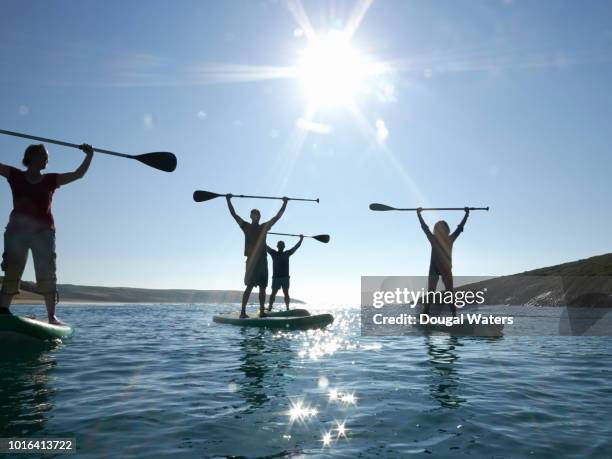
16,247
440,269
256,273
280,282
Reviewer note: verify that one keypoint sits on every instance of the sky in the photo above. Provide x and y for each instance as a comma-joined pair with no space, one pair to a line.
439,103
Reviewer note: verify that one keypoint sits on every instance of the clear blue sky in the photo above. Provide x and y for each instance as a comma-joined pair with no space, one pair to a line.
499,103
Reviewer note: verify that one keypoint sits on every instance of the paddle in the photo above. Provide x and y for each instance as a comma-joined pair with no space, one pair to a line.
324,238
161,160
384,207
201,196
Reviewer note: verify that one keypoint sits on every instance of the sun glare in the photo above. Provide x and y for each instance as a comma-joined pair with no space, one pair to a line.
333,72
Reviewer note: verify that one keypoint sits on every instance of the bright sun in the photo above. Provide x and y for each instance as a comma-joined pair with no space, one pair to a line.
332,72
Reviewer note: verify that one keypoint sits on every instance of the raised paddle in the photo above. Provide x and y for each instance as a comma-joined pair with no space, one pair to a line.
324,238
162,160
201,196
384,207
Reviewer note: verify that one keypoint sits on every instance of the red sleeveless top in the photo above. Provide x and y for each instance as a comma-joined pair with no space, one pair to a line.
31,202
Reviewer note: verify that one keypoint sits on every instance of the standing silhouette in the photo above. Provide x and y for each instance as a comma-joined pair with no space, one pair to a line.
256,272
280,270
31,225
441,254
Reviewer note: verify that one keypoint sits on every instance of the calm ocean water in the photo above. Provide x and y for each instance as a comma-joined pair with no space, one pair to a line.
164,381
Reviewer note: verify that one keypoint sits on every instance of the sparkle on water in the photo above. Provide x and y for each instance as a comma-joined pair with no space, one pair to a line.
316,344
341,429
299,412
343,397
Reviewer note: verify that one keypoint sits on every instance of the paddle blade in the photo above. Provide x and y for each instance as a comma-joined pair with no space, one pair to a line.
324,238
161,160
201,196
375,206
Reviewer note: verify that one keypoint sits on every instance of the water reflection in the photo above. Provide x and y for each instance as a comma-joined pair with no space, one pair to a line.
445,377
264,361
25,393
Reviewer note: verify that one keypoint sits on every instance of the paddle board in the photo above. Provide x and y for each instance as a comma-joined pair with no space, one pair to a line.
289,313
276,322
16,328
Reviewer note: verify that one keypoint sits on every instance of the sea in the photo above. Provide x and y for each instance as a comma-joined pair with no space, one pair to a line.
165,381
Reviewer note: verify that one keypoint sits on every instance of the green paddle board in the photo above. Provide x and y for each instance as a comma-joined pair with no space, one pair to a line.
276,321
289,313
15,328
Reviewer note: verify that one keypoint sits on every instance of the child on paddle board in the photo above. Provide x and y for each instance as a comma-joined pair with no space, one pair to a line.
256,272
280,269
31,225
441,264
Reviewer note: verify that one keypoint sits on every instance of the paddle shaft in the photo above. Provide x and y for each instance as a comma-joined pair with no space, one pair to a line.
324,238
446,208
271,197
65,144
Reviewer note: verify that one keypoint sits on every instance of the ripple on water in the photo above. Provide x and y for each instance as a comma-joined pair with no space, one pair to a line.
144,379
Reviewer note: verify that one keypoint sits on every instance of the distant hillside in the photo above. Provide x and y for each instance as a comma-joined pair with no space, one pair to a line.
582,283
92,294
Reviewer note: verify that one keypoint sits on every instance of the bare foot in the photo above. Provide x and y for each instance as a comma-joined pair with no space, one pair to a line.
263,314
243,315
55,321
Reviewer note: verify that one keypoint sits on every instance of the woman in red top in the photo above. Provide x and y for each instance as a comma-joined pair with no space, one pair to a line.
31,225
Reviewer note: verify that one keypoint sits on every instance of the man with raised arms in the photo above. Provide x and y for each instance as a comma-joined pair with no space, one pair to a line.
280,270
256,272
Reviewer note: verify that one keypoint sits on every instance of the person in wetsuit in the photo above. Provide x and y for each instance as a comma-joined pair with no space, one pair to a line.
280,270
256,272
441,264
31,225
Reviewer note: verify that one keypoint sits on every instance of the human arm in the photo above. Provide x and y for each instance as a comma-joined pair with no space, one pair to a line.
5,170
230,206
296,246
461,224
426,229
68,177
270,250
280,213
